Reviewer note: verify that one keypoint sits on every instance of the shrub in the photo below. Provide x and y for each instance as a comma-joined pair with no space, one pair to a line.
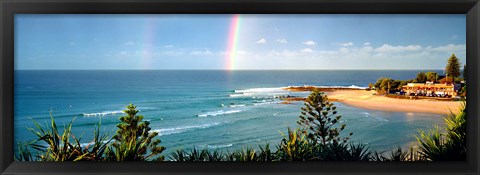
345,152
295,146
266,153
398,155
64,146
24,153
445,146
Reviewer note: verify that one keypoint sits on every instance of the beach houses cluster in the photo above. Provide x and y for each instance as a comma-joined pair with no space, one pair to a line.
445,88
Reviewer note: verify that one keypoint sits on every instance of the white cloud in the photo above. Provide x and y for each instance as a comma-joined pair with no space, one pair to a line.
283,53
262,41
201,53
448,48
344,50
366,49
346,44
361,56
173,53
241,52
282,41
366,43
309,43
306,50
386,48
129,43
387,56
328,52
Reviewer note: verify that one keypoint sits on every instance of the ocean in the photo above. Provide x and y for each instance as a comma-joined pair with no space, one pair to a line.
212,109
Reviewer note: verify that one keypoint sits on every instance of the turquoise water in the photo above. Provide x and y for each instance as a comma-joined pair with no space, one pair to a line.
204,109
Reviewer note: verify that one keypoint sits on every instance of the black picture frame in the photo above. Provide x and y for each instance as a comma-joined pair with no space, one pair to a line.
8,9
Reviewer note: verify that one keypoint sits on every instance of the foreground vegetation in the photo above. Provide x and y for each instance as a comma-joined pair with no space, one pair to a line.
317,139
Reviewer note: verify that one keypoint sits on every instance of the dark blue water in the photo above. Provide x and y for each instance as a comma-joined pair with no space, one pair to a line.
213,109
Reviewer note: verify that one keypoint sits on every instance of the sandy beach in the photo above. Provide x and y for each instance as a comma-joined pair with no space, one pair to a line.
366,100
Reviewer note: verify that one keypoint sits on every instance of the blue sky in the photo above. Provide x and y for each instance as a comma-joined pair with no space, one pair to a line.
85,42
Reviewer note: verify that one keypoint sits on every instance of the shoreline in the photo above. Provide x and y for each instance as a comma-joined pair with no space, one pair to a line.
364,99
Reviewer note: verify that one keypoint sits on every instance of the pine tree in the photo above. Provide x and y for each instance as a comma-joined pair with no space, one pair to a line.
318,116
421,77
453,67
133,140
431,76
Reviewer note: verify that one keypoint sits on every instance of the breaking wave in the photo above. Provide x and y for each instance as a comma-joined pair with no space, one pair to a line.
221,112
214,146
260,92
177,130
102,113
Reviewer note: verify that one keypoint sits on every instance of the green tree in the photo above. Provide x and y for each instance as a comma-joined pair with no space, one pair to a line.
399,83
453,67
319,117
379,82
370,86
133,140
382,84
421,77
432,76
385,85
465,72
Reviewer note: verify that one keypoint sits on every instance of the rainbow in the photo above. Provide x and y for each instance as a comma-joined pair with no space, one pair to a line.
231,54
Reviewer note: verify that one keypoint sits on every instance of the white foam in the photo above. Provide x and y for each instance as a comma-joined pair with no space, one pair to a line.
219,146
240,105
381,119
266,103
176,130
241,95
260,92
263,102
114,112
221,112
145,108
103,113
257,90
